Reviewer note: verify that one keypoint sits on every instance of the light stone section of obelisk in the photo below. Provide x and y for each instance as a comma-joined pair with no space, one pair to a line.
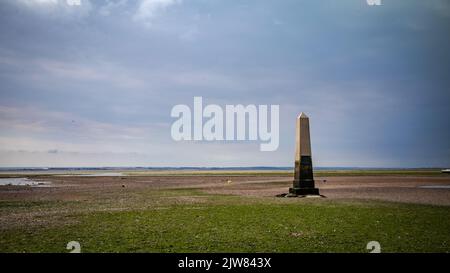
303,141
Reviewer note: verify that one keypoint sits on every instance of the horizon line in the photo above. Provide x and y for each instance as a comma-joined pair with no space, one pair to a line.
212,167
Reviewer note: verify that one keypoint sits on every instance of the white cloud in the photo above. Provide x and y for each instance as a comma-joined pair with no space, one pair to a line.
46,71
35,137
111,5
190,34
148,9
38,2
145,11
277,22
34,129
90,72
55,8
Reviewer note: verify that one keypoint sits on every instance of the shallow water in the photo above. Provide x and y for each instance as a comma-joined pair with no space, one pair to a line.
436,187
97,174
22,182
103,174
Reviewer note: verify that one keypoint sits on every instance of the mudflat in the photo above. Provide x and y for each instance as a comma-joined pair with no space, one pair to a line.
406,189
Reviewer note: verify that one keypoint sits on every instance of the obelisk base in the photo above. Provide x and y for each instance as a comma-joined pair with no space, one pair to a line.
304,191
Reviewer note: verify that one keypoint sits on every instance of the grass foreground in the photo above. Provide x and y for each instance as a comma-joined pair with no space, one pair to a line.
222,223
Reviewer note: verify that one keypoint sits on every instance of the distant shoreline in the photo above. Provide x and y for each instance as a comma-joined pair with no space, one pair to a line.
256,168
216,171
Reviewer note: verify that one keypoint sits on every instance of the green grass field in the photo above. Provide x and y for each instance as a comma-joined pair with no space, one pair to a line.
192,221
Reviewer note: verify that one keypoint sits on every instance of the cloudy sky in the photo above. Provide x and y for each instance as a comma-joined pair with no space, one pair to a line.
93,85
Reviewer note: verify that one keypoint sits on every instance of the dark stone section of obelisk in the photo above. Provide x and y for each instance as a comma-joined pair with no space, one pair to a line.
304,178
304,191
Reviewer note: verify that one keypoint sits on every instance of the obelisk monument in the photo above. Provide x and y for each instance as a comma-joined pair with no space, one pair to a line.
303,177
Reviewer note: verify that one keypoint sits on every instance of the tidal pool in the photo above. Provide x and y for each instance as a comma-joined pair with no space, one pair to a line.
95,174
435,187
22,181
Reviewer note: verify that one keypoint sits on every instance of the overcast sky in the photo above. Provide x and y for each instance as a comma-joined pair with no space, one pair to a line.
93,85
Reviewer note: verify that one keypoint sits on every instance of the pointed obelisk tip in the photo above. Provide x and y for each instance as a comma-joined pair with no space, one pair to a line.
302,115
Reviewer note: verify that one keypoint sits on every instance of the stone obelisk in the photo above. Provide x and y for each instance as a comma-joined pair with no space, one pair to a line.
303,177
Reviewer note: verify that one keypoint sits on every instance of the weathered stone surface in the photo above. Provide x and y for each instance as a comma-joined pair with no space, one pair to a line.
303,177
